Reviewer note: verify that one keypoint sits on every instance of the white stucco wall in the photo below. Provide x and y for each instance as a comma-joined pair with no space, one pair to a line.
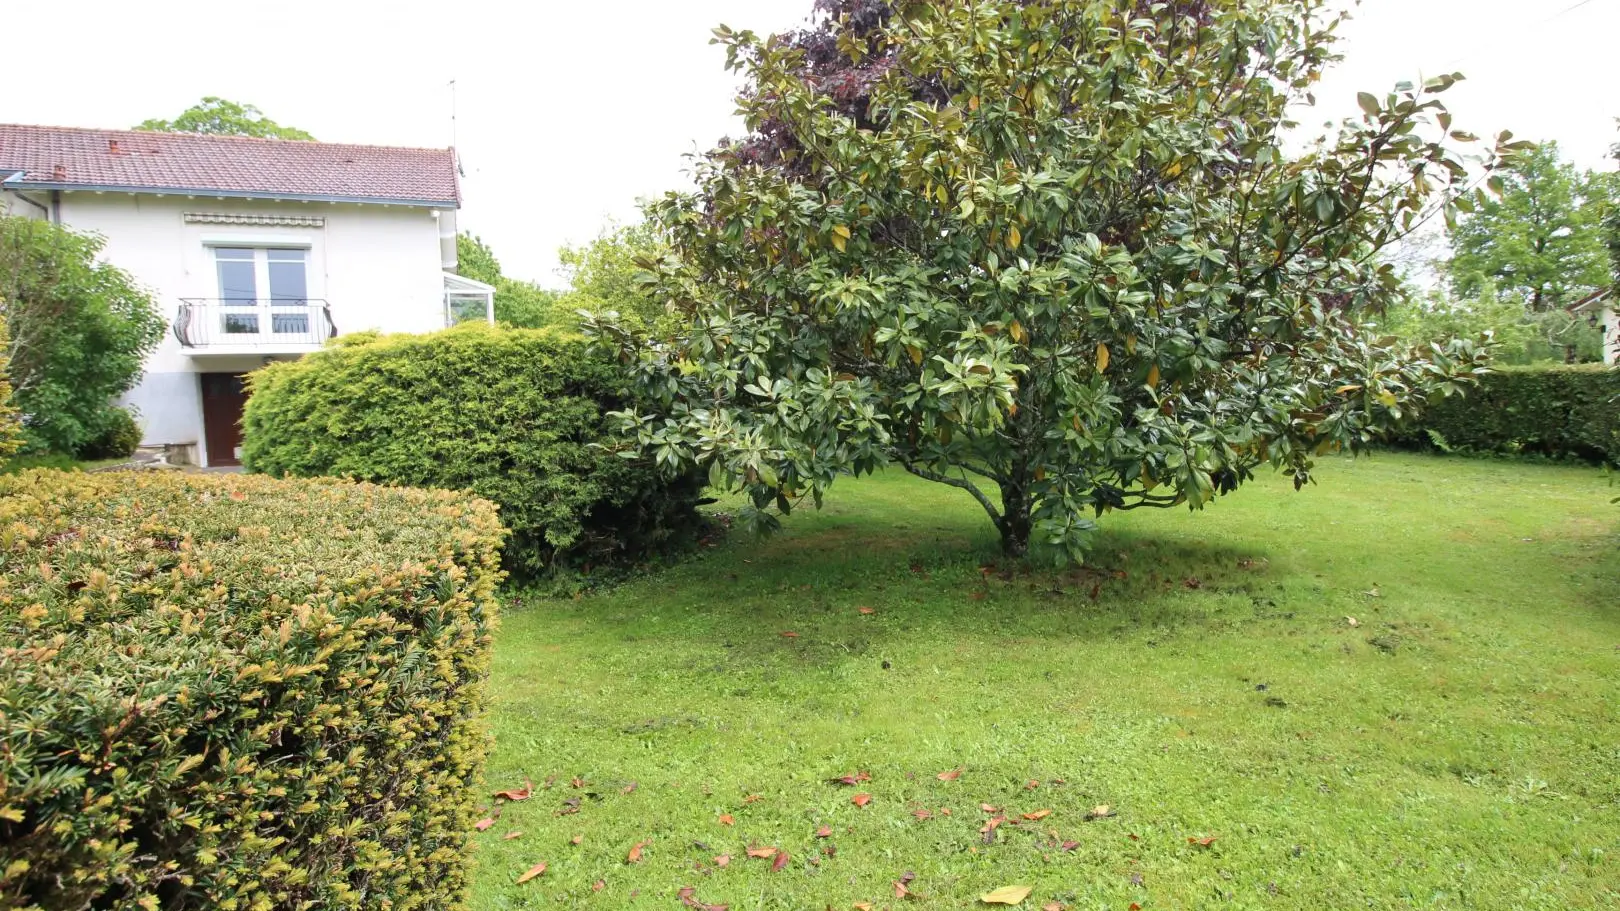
1611,335
377,267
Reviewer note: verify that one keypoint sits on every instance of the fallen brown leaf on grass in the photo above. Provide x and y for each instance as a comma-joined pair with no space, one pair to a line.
599,885
902,886
866,610
628,789
1006,895
726,820
922,813
782,858
523,793
789,634
1052,906
1031,785
578,782
861,800
1100,811
577,839
1038,814
532,872
634,857
863,906
766,851
753,798
988,809
721,860
851,779
483,824
510,835
1204,842
689,899
1070,845
824,832
952,775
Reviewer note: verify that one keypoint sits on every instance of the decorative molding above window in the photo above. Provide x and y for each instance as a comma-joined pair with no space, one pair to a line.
286,221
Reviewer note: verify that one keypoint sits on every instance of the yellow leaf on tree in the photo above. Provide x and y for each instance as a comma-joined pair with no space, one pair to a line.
1014,238
1016,330
1153,375
841,231
973,103
1343,389
1102,357
1006,895
916,354
839,242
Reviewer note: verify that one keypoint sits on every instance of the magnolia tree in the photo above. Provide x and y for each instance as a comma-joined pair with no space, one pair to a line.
1054,253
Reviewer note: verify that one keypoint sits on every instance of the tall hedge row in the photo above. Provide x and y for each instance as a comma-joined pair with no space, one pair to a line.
1563,412
513,415
225,692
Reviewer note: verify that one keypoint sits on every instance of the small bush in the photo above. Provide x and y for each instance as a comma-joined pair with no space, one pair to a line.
514,415
239,693
81,330
1559,412
116,438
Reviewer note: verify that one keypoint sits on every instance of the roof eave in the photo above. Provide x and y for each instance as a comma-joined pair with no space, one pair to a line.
234,194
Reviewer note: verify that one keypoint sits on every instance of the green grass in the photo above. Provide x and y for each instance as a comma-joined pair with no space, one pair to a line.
1459,747
54,461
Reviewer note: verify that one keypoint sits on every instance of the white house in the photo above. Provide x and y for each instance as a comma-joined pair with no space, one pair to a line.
257,250
1600,309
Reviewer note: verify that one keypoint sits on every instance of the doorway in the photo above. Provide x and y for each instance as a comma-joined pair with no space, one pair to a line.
223,395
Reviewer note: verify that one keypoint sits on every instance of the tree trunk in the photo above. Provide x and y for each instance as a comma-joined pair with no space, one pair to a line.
1015,521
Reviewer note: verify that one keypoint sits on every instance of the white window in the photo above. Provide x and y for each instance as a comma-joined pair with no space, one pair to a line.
263,290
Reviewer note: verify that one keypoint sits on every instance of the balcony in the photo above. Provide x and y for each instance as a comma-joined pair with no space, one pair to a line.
236,326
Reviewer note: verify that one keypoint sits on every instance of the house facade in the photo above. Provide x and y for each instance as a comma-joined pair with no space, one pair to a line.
255,249
1600,309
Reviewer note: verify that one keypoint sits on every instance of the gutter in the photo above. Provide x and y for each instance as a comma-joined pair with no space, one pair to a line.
43,209
57,187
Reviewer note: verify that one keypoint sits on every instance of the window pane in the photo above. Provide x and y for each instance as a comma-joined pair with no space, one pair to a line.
464,309
236,282
287,276
240,323
289,323
240,253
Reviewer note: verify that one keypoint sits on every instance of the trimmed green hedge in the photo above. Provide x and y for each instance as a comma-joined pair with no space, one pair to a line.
1561,412
230,692
514,415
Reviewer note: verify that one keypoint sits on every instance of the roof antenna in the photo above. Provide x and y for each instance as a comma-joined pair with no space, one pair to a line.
459,169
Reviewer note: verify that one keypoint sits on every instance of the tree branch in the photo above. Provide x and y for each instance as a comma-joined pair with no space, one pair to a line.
962,483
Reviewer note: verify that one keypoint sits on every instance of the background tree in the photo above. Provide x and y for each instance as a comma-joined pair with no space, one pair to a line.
80,331
517,303
1050,252
214,116
1542,241
609,274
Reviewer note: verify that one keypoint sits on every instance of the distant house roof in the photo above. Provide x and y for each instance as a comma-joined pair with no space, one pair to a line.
68,158
1591,300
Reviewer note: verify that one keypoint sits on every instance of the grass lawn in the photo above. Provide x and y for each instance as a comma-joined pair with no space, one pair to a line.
1458,746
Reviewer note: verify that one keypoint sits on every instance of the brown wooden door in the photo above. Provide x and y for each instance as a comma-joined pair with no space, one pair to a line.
223,395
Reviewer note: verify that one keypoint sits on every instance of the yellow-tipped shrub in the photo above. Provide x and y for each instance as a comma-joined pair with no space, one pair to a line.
233,692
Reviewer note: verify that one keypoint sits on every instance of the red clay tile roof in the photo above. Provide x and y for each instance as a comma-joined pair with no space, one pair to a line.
71,158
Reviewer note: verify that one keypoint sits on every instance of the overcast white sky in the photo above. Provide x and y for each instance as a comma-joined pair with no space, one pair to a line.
570,111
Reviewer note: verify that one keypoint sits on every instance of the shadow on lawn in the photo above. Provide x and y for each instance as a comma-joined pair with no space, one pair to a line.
800,597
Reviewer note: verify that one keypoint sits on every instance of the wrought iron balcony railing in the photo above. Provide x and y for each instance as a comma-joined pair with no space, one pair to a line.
217,323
